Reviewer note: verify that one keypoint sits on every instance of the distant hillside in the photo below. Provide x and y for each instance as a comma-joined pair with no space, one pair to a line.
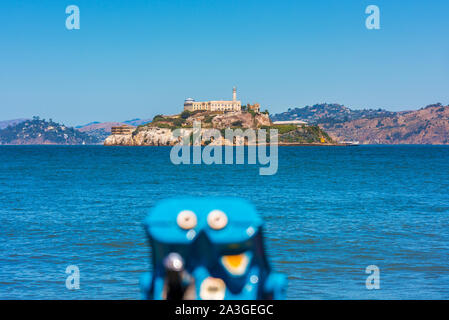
98,130
38,131
137,122
329,113
428,125
86,125
102,130
6,123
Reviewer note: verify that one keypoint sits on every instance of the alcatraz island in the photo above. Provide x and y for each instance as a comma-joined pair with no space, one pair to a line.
220,115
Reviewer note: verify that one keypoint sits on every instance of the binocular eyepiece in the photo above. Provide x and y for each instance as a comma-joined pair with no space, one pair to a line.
177,281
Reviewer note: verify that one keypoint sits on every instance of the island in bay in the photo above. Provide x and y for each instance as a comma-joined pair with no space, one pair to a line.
220,115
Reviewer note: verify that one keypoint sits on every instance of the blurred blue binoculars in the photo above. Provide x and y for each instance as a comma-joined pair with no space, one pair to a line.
208,249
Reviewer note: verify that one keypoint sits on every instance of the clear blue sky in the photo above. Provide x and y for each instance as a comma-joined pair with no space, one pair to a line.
140,58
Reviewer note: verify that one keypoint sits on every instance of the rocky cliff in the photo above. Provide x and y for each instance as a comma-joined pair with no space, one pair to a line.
151,136
160,131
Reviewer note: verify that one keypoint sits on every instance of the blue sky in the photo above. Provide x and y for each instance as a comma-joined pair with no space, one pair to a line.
135,59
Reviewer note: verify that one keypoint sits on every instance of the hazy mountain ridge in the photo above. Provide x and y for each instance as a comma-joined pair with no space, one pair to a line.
99,130
138,122
6,123
38,131
102,130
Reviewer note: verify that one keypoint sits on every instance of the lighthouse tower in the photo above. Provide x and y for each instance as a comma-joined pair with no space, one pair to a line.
234,94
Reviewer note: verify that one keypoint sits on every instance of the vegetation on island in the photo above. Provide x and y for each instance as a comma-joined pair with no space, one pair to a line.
184,120
290,133
167,122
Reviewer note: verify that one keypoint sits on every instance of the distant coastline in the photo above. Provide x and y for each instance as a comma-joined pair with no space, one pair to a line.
428,125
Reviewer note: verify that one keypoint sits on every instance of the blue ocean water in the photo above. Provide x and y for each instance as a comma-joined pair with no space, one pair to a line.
329,213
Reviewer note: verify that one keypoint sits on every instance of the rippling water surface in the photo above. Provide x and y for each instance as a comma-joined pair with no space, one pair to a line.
329,213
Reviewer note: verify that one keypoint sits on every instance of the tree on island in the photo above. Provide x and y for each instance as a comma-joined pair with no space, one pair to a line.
185,114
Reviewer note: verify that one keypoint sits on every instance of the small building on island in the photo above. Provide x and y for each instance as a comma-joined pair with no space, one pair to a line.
123,129
254,107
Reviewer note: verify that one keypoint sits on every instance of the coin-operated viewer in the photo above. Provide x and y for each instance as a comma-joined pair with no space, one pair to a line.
210,249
